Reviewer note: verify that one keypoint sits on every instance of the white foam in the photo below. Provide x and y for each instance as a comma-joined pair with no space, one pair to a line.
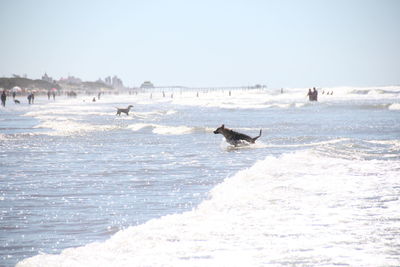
394,147
3,136
153,114
312,144
172,130
166,129
299,105
138,126
385,142
244,145
70,127
394,106
170,112
56,112
298,209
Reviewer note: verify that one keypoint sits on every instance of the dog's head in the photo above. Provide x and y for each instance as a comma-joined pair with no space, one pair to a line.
219,129
130,106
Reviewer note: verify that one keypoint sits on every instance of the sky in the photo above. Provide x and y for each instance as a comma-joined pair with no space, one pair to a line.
282,43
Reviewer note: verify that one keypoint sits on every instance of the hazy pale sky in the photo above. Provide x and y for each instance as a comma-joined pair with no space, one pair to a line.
279,43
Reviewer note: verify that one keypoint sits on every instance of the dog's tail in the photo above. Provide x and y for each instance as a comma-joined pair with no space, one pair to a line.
255,138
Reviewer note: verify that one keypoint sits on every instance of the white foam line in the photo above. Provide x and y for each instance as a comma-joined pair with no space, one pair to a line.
311,144
394,106
166,129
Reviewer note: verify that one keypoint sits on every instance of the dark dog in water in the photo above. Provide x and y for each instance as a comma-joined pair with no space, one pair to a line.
16,101
235,138
124,110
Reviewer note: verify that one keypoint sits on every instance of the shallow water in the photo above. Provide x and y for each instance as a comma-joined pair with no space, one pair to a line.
158,188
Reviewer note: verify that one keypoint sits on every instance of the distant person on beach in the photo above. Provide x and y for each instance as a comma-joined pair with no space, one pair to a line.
310,95
3,98
315,94
54,96
48,95
14,94
31,98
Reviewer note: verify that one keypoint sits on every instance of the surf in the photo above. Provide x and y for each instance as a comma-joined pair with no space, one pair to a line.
304,198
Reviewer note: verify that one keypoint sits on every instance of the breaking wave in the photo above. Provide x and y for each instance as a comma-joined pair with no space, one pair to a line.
300,208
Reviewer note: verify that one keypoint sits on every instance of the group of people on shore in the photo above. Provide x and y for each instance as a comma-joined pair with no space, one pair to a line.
312,95
51,94
31,98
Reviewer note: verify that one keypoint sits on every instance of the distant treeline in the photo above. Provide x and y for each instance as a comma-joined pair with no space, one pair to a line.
9,83
25,83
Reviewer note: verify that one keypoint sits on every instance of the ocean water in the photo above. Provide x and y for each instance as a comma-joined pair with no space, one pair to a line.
80,186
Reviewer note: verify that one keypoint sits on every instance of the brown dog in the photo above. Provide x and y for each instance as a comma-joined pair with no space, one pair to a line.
235,138
124,110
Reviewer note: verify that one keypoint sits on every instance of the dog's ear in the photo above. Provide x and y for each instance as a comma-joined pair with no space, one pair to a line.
223,126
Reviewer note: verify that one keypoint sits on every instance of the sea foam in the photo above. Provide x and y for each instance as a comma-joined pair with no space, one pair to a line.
166,129
394,106
300,208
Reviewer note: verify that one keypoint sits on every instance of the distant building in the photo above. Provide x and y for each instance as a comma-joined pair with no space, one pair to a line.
107,80
147,84
100,81
117,82
71,80
114,82
46,78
